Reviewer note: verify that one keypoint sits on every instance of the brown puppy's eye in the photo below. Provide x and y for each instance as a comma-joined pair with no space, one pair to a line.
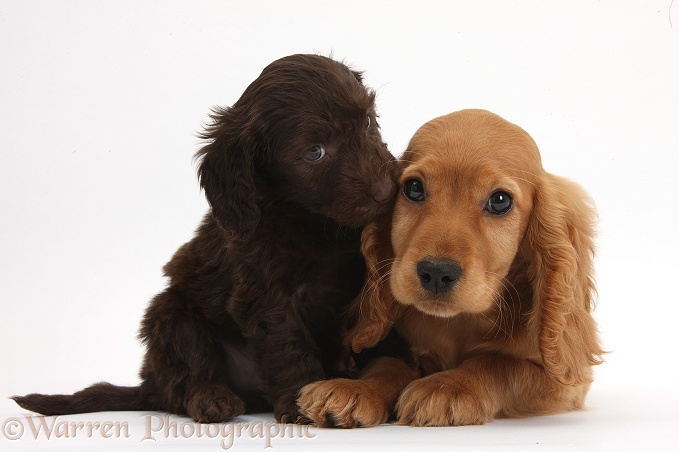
499,203
368,122
413,189
315,153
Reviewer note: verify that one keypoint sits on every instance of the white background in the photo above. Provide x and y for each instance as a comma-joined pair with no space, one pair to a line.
101,102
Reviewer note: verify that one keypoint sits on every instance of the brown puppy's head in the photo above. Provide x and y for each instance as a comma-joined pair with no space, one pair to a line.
467,193
304,132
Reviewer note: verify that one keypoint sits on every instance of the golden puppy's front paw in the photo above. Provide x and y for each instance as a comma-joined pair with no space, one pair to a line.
343,403
440,400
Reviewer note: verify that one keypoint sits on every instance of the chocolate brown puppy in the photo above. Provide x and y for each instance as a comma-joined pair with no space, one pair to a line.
254,306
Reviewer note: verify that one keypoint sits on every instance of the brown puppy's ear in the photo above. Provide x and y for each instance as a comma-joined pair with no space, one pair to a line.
559,243
226,172
375,309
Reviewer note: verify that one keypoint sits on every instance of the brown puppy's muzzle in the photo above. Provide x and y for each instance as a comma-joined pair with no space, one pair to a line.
384,191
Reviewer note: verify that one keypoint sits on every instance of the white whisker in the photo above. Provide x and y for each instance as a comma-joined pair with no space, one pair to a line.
506,309
374,284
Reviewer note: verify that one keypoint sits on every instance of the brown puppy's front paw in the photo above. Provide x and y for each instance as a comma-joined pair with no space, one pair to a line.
214,403
286,418
440,400
287,412
343,403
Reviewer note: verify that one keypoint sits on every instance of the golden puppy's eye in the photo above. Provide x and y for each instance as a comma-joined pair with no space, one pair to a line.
413,189
315,153
499,203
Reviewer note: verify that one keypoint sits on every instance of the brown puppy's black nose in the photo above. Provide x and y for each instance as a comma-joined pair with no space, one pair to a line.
438,276
384,191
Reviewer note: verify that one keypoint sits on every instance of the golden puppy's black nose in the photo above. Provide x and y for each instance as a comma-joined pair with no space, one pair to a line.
438,276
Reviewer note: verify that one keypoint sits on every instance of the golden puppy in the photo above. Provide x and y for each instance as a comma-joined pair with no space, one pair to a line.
485,268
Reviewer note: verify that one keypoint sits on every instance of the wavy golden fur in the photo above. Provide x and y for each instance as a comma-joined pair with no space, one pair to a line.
496,306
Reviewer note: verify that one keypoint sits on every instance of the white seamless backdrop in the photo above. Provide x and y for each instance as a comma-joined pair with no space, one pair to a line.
101,103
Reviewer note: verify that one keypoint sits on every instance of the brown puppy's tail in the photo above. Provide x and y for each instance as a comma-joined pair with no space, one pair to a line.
98,397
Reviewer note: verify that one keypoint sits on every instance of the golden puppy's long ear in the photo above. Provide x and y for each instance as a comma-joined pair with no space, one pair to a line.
375,309
560,238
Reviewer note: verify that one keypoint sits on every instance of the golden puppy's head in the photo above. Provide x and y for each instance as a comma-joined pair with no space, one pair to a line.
467,192
478,223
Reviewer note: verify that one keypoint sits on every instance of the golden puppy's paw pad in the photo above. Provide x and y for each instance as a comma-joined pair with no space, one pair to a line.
434,401
343,403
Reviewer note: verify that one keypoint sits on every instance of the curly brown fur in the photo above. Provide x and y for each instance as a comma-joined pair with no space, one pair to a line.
253,309
496,304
